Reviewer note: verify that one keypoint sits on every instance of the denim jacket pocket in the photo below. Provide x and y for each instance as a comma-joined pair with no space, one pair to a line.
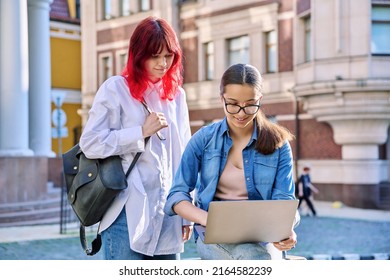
265,169
210,154
211,164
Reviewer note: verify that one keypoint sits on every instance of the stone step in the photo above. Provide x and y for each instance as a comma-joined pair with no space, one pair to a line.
15,207
30,215
42,221
38,217
44,211
384,194
384,205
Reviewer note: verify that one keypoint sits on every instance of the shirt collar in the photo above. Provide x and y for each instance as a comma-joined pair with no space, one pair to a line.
225,129
153,87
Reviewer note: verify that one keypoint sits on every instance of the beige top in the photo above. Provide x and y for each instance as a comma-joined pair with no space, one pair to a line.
231,185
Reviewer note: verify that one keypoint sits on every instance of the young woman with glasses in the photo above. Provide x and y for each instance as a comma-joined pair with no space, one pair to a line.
243,157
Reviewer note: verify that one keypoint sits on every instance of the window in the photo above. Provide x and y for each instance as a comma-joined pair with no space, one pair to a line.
107,9
105,67
307,38
125,7
209,60
78,9
144,5
121,61
380,30
271,52
238,50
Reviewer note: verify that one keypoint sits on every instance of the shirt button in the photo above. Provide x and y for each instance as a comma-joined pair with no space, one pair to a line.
246,161
248,179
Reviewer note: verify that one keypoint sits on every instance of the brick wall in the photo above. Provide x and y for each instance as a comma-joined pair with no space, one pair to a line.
316,141
190,59
285,45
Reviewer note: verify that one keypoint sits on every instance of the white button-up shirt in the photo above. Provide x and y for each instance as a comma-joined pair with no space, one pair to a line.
114,127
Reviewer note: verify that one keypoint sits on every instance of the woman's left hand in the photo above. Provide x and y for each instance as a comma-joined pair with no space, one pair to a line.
187,232
287,244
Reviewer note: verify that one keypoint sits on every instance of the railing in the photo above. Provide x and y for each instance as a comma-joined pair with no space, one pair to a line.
68,219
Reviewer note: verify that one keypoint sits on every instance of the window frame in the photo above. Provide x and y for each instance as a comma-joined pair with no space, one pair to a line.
118,59
242,50
107,10
269,46
209,59
122,11
141,4
106,66
307,34
377,22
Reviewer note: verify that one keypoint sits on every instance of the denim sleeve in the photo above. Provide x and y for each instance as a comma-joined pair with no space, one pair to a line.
186,176
284,187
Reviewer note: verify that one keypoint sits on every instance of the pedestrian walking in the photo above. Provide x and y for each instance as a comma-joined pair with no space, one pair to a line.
305,189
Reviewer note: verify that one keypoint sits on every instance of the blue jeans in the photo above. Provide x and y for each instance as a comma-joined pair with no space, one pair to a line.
116,245
244,251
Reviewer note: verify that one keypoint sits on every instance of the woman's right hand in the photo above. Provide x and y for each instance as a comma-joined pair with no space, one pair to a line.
153,123
190,212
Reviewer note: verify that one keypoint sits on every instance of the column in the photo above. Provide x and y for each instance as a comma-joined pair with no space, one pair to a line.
88,57
14,81
40,77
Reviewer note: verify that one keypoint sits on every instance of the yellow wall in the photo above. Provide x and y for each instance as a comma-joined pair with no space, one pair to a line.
65,63
66,74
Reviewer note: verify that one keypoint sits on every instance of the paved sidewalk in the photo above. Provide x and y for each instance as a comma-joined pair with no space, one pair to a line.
337,210
35,232
324,209
338,232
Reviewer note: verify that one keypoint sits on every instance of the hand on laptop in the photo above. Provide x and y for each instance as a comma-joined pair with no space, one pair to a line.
187,232
287,244
190,212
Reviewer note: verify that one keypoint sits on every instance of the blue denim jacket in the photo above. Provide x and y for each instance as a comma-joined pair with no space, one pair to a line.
267,177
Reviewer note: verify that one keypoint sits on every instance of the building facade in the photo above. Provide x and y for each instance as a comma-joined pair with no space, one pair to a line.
40,53
65,57
65,46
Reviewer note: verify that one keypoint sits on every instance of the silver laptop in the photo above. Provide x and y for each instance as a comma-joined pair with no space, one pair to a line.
248,221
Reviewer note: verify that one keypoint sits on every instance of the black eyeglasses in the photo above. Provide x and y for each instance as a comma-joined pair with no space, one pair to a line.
248,109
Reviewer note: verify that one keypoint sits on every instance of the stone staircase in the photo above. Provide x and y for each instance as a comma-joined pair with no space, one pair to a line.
384,196
40,212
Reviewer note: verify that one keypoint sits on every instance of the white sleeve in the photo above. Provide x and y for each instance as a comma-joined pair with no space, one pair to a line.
104,134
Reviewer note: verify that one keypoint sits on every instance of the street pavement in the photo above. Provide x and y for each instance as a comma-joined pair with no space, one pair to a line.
338,223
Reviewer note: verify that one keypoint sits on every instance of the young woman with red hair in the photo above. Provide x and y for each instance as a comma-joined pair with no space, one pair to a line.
135,227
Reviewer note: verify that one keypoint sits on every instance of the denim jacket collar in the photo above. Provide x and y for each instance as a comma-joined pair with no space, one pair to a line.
225,129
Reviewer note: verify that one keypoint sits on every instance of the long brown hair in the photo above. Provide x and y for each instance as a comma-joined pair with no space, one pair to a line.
149,37
270,135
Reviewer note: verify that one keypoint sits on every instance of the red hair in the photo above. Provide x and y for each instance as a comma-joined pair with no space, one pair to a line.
149,37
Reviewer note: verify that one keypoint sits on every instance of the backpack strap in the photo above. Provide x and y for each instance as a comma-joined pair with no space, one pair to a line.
96,243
